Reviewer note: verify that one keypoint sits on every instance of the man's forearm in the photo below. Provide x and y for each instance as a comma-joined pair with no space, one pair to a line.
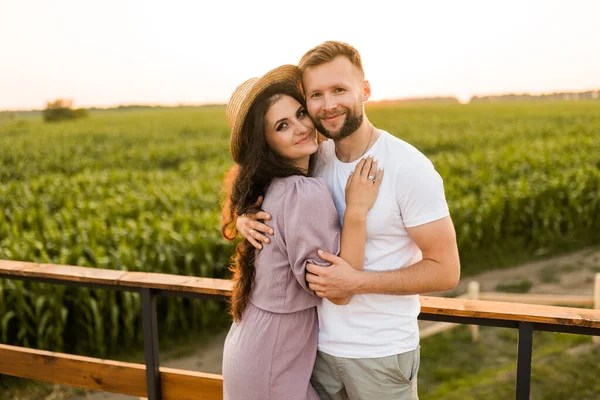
424,276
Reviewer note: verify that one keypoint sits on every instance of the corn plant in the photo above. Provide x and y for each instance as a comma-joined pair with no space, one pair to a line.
140,191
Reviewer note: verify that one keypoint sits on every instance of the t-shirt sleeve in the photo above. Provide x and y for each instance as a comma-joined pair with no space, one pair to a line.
420,193
310,223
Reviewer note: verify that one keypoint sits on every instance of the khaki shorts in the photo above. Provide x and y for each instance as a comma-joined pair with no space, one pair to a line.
393,377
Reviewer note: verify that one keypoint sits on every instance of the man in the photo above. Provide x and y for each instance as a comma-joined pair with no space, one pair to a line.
369,349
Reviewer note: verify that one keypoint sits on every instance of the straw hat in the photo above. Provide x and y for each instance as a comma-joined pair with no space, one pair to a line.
244,96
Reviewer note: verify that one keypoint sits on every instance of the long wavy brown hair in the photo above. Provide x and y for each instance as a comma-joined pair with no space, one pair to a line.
245,182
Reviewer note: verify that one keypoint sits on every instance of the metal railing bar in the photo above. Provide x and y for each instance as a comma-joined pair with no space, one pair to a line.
190,295
575,330
524,352
151,344
499,323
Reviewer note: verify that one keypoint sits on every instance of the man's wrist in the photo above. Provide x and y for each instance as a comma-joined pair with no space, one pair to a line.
358,282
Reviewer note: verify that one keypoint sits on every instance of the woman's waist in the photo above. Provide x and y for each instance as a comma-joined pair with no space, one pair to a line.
275,304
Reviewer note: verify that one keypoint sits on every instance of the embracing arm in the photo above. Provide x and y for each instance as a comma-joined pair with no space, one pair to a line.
252,229
422,205
438,270
361,192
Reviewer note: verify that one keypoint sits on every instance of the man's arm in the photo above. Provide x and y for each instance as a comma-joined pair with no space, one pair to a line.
438,270
252,229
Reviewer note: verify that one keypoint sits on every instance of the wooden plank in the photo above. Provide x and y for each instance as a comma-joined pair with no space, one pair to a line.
473,294
106,375
429,305
181,283
84,372
178,384
62,272
532,298
117,278
566,316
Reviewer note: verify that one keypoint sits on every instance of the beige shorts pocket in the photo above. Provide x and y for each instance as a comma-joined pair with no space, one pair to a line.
407,365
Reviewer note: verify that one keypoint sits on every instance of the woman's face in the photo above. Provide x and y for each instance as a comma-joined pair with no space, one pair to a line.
290,132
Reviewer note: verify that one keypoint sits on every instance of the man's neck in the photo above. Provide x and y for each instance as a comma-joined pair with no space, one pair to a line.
353,147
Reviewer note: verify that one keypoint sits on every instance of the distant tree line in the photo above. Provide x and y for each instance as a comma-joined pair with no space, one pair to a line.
8,115
62,110
556,96
589,95
418,100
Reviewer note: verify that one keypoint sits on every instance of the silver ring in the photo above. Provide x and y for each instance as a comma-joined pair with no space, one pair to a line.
372,178
250,232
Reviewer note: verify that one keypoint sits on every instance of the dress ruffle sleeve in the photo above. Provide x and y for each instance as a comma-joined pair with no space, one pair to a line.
310,223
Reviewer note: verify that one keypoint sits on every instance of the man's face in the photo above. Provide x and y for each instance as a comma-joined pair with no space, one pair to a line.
335,92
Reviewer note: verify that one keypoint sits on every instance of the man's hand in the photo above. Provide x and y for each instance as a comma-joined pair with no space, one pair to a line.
334,282
252,229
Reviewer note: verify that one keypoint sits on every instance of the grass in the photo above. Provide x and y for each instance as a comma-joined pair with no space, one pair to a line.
27,389
522,286
454,368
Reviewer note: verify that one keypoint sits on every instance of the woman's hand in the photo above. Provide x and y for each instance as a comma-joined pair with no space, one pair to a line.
363,186
252,229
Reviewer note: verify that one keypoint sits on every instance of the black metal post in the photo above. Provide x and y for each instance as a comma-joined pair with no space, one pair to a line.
524,353
151,343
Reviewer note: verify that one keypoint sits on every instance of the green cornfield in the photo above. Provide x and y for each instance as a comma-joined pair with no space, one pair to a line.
139,190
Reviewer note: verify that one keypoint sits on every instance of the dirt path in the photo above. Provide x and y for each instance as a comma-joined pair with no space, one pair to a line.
568,274
571,273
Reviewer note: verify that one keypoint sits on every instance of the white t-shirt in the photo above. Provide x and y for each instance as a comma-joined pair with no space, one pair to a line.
411,194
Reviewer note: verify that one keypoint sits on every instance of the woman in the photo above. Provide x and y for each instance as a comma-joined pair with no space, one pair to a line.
271,347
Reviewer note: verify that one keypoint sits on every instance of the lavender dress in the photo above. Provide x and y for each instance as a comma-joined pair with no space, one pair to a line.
270,354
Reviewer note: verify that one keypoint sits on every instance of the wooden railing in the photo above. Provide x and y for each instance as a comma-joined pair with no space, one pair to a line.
166,383
474,293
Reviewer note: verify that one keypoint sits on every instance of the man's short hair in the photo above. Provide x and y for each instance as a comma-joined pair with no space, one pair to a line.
326,52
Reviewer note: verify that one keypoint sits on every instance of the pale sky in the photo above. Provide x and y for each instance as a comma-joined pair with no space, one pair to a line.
110,52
